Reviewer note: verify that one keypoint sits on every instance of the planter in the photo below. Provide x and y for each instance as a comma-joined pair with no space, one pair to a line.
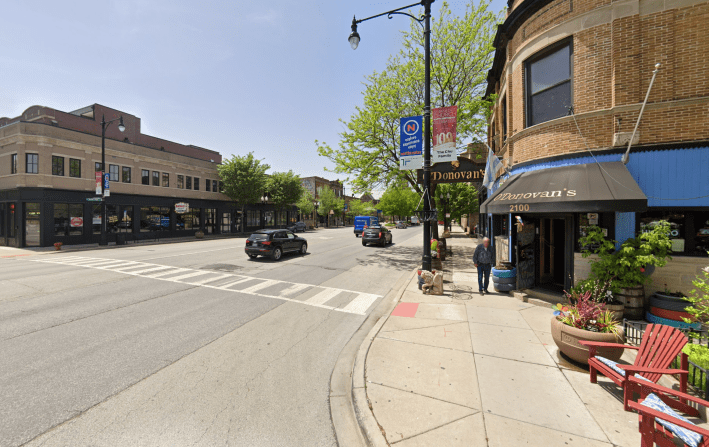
633,298
498,280
669,302
617,310
504,273
567,339
199,234
504,287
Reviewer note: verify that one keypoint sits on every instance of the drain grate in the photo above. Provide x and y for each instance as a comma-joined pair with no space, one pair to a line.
222,267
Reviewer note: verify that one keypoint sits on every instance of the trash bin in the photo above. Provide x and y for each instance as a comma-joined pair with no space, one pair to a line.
120,239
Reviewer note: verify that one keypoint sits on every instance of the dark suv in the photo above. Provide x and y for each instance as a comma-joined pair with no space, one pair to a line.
297,226
377,235
274,243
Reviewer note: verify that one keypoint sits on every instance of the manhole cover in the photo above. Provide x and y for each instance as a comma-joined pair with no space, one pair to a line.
222,267
461,296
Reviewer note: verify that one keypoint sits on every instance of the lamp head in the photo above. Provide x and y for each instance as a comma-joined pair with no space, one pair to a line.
121,127
354,37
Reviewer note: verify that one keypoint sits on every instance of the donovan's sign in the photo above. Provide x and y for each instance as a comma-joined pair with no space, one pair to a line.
460,171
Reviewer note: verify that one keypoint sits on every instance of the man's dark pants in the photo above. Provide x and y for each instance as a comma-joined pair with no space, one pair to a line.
484,274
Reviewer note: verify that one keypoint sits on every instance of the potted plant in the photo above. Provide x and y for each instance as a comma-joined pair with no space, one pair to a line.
585,319
58,245
602,293
698,299
199,234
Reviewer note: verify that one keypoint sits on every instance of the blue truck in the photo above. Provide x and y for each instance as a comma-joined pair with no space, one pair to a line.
361,221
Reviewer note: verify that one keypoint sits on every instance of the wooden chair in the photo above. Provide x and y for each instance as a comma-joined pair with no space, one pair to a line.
660,345
659,424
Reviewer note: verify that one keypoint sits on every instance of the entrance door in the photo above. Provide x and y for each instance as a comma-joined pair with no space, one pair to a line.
552,252
32,224
226,223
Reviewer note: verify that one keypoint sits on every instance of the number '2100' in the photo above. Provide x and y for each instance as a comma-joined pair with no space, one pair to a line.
518,208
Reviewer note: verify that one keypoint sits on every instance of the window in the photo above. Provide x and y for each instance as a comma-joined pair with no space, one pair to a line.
13,164
74,168
504,118
181,181
188,220
165,180
268,218
210,220
125,177
113,173
689,229
548,78
97,167
207,184
253,218
196,183
32,163
57,165
145,176
226,223
188,182
214,186
154,218
119,219
156,178
68,219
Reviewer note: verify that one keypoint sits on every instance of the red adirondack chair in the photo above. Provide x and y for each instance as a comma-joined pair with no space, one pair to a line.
659,346
659,424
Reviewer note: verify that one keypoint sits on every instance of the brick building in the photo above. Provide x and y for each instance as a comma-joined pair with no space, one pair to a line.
313,185
48,161
569,78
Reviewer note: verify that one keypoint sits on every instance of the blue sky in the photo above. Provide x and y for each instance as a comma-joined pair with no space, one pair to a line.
234,76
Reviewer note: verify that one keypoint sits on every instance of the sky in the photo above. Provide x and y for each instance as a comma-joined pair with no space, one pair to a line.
268,77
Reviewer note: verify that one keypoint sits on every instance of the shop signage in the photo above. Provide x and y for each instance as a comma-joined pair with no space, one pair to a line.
461,170
444,134
98,183
411,143
106,182
592,218
76,222
94,199
182,208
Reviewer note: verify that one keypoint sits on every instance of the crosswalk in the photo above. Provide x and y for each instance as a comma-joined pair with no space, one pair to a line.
340,300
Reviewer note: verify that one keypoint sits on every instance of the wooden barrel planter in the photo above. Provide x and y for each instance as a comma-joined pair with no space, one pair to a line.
618,310
633,299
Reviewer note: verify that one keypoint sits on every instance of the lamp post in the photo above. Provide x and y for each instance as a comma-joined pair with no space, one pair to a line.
354,40
104,126
264,201
317,204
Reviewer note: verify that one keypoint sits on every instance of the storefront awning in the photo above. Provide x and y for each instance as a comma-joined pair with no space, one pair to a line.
593,187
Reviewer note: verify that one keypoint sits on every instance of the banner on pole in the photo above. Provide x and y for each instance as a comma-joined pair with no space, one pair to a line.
411,143
98,182
445,120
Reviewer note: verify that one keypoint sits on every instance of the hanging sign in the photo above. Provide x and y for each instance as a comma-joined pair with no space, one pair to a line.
444,134
411,143
182,207
98,183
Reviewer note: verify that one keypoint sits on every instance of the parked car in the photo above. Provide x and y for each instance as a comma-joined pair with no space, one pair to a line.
360,222
297,226
376,235
401,224
274,243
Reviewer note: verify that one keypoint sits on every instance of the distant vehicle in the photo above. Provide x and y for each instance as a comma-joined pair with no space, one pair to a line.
297,226
379,235
360,222
415,220
274,243
401,224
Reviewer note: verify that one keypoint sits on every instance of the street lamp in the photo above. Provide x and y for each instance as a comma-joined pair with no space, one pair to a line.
317,204
104,126
264,201
448,208
354,40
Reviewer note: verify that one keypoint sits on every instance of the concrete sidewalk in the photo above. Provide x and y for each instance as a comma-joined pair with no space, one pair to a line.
471,370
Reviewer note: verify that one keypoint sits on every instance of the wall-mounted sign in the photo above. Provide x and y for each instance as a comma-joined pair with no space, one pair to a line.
411,143
461,170
444,134
182,208
592,218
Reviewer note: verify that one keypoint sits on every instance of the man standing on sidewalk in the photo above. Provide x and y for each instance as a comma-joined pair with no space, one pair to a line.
484,258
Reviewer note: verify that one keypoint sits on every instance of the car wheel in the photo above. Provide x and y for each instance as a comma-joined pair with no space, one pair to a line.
277,253
253,256
364,244
303,249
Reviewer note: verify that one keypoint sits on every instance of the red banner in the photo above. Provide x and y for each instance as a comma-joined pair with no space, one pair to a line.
445,120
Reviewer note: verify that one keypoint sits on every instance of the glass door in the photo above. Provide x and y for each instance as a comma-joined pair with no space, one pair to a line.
32,224
226,223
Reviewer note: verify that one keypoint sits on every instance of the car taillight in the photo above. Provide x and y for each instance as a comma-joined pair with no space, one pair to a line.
380,234
266,243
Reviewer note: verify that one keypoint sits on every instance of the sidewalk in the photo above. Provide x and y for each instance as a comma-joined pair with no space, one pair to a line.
471,370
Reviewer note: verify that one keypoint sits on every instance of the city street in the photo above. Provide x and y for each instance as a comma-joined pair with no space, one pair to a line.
186,343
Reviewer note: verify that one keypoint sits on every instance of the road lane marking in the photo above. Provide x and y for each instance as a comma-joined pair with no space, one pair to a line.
358,306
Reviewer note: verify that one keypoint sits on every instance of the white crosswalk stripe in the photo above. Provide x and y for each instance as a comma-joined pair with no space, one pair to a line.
221,281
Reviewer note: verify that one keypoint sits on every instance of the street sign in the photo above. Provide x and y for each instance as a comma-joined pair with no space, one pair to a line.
98,183
106,183
107,192
94,199
444,134
411,143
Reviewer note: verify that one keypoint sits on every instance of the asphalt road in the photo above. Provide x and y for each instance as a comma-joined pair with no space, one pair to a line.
186,343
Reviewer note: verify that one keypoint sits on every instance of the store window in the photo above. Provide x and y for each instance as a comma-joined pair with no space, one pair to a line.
253,218
207,185
605,221
282,218
181,181
268,218
210,220
689,229
113,173
188,182
57,165
32,163
145,176
226,223
154,218
188,220
32,224
156,178
165,180
119,219
68,219
13,164
125,177
75,167
96,219
3,221
196,183
548,83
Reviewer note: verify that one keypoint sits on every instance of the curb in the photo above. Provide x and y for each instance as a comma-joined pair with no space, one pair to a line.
353,422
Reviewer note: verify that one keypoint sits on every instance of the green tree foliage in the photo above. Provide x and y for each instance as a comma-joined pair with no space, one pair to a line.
699,297
306,204
284,188
463,201
329,202
461,55
244,179
358,208
398,201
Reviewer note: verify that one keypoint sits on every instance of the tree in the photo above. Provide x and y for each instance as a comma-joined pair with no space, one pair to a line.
358,208
461,55
284,188
244,180
464,199
398,201
329,202
306,204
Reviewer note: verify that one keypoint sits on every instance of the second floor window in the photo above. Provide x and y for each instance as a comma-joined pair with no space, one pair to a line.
503,109
181,181
75,167
13,164
196,183
188,182
207,185
549,74
57,165
113,173
97,167
32,163
145,176
214,186
156,178
165,180
125,178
